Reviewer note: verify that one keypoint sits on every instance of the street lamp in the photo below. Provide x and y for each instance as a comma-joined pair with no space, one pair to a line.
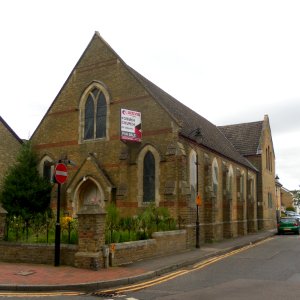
196,135
198,203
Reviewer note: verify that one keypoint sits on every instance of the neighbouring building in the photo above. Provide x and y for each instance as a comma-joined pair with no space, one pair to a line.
254,141
287,199
133,144
10,145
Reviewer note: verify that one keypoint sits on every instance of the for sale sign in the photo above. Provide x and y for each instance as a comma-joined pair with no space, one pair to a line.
131,125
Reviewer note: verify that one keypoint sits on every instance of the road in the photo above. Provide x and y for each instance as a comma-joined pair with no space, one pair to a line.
269,270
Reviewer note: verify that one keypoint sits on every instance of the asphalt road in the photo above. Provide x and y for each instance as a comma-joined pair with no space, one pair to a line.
269,270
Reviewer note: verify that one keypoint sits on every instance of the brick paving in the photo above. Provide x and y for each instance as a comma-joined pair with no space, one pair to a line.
33,274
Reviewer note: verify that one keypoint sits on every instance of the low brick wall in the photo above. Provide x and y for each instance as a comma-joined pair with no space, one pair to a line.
162,243
36,253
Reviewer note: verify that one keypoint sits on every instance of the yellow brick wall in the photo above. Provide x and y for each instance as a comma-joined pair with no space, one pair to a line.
9,149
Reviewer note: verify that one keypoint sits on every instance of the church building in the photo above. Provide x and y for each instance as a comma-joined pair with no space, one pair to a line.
133,144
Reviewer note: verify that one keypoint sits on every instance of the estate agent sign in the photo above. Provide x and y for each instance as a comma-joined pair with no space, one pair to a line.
131,125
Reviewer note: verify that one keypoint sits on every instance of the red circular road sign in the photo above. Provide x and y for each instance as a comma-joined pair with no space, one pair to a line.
61,173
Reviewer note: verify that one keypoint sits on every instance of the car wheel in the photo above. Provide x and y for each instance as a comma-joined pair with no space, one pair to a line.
298,232
279,232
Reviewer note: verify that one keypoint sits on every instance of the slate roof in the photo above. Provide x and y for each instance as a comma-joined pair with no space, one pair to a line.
10,130
211,136
245,136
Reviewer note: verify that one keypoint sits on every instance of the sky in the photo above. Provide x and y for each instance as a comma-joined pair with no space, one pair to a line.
230,61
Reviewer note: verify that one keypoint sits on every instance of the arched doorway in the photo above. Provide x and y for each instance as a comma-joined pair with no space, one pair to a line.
88,191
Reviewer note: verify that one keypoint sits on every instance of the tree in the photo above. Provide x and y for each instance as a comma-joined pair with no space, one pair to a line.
25,192
296,197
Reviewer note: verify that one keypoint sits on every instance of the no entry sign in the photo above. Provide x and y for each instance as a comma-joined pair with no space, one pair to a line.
61,173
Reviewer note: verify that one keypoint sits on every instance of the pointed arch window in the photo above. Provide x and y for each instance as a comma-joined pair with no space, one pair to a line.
89,119
149,178
46,168
94,112
229,182
242,186
215,172
101,116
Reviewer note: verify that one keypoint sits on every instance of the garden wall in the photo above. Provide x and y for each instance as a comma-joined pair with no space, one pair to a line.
36,253
162,243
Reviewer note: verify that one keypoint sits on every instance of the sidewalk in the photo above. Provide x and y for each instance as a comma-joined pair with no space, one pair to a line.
34,277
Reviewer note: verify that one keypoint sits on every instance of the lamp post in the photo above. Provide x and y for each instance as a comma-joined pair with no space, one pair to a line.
198,203
196,135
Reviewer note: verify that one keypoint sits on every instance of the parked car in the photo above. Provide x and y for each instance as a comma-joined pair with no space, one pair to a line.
290,213
288,224
293,214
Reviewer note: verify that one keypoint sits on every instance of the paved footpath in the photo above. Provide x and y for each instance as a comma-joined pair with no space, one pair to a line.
37,277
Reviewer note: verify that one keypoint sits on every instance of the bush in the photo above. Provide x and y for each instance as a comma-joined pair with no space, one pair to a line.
138,227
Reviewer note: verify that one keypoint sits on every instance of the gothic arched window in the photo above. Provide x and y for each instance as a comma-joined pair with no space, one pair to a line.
46,168
101,116
94,113
149,178
215,181
229,182
89,119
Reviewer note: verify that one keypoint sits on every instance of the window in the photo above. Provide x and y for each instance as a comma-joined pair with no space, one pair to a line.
251,186
270,200
193,174
94,111
149,178
47,173
148,174
95,115
215,172
242,186
229,181
46,168
89,119
269,164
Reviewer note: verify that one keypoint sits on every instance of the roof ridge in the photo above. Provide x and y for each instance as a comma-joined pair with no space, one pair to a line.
239,124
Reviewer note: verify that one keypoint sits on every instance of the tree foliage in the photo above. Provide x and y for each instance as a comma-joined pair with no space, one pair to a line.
296,197
24,191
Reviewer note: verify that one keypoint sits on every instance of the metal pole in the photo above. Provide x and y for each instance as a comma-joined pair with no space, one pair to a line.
197,229
57,230
197,219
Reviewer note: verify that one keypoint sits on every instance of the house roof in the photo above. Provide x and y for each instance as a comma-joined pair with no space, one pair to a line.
192,123
245,136
10,130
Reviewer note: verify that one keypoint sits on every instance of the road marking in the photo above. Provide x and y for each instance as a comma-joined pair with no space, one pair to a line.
38,294
173,275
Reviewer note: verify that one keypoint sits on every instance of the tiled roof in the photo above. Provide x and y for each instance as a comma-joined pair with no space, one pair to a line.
211,136
245,137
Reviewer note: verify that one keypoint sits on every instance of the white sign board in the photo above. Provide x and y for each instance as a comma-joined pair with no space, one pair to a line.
131,125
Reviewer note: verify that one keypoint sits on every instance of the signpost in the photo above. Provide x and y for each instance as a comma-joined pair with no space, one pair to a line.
61,175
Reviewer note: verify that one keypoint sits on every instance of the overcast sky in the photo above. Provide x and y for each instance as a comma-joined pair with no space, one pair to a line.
230,61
